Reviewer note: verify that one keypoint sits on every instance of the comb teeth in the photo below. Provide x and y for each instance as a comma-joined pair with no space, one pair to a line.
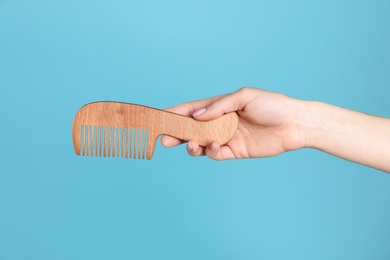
106,141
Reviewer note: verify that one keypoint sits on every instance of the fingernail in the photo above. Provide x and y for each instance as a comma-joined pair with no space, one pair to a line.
213,146
189,147
199,112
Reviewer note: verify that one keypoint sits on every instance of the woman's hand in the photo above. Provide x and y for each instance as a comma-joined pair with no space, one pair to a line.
267,125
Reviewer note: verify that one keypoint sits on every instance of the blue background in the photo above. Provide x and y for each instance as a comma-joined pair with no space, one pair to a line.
55,56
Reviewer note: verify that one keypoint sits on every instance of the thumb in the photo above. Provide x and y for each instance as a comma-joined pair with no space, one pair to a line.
226,104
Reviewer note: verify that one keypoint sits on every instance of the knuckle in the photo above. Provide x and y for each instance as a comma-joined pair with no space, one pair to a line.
245,89
188,108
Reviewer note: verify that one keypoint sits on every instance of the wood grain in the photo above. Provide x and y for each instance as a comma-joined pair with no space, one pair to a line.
130,130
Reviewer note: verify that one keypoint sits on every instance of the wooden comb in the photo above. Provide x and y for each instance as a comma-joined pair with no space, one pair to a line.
116,129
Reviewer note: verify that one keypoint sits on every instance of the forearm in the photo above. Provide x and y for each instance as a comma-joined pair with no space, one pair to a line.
348,134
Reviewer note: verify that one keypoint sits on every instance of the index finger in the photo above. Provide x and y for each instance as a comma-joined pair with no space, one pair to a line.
186,109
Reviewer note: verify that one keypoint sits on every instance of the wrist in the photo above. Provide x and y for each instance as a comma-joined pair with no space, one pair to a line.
320,121
308,123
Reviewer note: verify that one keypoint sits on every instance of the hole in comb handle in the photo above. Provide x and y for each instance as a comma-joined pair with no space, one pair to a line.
145,143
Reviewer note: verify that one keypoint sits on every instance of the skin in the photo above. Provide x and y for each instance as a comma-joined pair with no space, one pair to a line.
271,123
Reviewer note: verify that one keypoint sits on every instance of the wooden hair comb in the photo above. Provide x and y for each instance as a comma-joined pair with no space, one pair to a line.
116,129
